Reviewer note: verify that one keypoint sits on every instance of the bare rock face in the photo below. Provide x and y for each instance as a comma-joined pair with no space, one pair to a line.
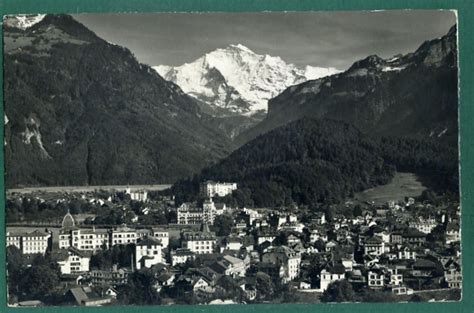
83,111
410,95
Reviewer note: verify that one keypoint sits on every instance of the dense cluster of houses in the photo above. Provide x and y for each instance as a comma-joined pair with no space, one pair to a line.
391,249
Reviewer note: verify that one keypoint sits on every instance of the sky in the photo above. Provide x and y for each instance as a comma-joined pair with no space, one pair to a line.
326,39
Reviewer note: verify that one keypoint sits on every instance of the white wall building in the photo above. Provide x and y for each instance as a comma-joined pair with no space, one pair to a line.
89,239
180,256
73,261
137,195
375,279
396,278
148,252
210,189
331,274
30,243
161,235
288,258
123,236
201,242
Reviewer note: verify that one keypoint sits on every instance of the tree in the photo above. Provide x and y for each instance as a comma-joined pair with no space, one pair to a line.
39,281
223,224
265,286
437,234
16,265
139,289
320,245
118,254
339,291
230,288
357,211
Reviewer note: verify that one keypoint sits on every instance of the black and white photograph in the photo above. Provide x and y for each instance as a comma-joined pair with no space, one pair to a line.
231,158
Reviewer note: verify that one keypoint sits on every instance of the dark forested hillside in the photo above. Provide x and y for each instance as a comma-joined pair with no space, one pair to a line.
306,161
435,162
318,160
80,110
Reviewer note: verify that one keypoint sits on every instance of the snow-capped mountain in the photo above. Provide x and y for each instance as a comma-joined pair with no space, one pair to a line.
23,21
238,79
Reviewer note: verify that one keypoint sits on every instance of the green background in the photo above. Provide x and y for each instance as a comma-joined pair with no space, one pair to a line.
465,10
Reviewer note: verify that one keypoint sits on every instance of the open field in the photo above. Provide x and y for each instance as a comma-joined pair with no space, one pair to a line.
88,188
402,185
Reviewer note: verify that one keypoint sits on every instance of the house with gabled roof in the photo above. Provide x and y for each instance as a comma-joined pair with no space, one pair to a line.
452,274
87,296
72,260
331,273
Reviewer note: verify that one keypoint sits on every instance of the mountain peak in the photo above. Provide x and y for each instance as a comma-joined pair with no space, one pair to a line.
240,47
435,52
22,21
372,61
237,79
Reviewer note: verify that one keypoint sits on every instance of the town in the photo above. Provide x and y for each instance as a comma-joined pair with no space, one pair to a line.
138,246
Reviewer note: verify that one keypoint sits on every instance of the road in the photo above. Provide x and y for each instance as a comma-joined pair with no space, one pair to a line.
88,188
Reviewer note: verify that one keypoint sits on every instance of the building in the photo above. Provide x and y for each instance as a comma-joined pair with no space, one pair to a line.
423,268
161,235
424,225
452,232
452,274
396,277
30,243
396,238
115,276
233,243
374,246
86,296
200,242
331,273
180,256
122,235
13,239
210,189
287,258
209,211
413,236
375,279
87,239
230,266
189,213
148,252
72,260
402,290
319,218
406,253
96,239
137,195
68,221
263,236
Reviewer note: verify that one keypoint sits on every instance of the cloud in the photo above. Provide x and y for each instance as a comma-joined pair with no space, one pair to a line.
304,38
